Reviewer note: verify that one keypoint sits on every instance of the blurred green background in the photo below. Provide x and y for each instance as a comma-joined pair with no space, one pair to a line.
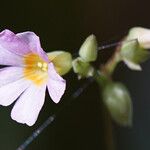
64,25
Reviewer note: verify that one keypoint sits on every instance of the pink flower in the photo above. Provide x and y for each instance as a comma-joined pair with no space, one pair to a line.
26,76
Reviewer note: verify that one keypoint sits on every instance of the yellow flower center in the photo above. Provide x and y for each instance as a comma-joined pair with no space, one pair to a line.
36,69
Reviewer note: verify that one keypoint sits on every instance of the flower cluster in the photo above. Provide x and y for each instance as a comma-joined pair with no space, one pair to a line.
132,50
28,71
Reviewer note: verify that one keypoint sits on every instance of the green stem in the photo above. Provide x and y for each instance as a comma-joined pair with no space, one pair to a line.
111,64
108,129
102,80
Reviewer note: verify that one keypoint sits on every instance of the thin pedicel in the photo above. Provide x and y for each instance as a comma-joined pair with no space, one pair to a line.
115,44
110,45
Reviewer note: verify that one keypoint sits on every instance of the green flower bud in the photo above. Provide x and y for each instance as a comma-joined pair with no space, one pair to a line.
142,34
133,54
62,61
118,102
82,68
88,50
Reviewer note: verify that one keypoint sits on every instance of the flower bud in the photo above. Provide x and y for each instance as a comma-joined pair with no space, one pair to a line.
82,68
133,54
62,61
118,102
88,50
142,34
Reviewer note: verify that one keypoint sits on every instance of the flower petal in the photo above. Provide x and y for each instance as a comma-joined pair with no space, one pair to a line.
28,106
21,43
10,92
33,42
9,58
10,74
14,44
132,65
56,84
142,34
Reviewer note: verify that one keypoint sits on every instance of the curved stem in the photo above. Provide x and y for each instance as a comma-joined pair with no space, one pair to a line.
111,64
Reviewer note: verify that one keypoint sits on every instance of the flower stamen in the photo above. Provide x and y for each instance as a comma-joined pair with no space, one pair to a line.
35,69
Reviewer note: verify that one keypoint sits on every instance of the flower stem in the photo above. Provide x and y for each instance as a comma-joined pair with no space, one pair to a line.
36,133
102,80
107,129
111,64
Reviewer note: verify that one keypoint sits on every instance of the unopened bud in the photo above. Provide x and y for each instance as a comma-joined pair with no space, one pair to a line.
118,103
82,68
62,61
88,50
142,35
133,54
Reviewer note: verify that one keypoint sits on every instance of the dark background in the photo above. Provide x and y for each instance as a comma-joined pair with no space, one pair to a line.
64,25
